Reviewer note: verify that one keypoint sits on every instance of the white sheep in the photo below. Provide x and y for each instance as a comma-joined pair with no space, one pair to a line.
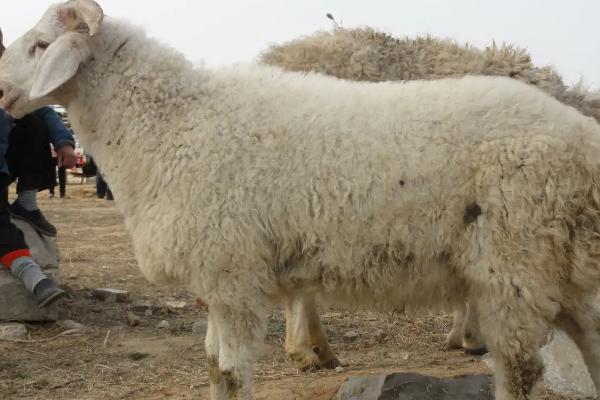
250,185
366,54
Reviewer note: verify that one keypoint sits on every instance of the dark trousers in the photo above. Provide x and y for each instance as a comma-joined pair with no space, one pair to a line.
29,162
102,188
28,156
62,181
62,178
12,241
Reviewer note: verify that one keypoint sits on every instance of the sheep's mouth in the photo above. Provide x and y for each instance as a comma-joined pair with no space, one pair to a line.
8,105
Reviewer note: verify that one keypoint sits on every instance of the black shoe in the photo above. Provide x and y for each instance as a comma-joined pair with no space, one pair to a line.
34,218
46,292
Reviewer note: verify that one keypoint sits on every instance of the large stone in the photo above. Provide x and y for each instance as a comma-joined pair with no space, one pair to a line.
110,295
16,303
565,372
407,386
12,331
44,249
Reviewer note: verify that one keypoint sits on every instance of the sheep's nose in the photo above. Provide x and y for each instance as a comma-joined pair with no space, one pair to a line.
4,93
3,89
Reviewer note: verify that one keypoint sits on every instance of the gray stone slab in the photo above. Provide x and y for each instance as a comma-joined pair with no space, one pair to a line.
408,386
16,303
565,372
44,249
361,387
12,331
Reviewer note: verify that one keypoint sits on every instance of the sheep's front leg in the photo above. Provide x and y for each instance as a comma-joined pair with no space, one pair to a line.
239,338
217,387
306,339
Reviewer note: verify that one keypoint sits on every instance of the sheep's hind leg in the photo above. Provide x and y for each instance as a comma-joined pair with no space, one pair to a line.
514,331
465,332
306,340
454,339
240,334
472,341
582,324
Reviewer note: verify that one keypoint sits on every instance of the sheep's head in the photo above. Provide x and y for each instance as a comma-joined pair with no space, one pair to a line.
48,56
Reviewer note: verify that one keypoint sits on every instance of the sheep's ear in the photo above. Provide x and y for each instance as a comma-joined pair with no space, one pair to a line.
59,63
83,16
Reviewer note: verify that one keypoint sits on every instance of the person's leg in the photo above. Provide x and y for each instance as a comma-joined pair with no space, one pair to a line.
62,181
109,195
101,187
29,162
53,176
15,256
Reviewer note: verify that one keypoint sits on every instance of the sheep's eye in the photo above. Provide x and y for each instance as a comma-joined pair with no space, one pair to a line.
40,44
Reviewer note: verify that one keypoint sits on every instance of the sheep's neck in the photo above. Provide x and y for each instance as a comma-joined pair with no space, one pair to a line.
118,102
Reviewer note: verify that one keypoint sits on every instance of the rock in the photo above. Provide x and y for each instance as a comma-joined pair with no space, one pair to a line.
379,335
178,326
142,305
565,372
112,295
175,305
71,325
148,312
350,336
200,327
132,319
12,331
136,355
488,360
339,369
16,303
44,249
405,386
164,324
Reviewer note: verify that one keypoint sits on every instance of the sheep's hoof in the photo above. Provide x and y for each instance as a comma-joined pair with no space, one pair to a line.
453,342
310,362
332,363
317,366
305,361
479,351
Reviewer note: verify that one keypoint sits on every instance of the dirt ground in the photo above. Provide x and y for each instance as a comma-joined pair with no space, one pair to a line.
112,360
